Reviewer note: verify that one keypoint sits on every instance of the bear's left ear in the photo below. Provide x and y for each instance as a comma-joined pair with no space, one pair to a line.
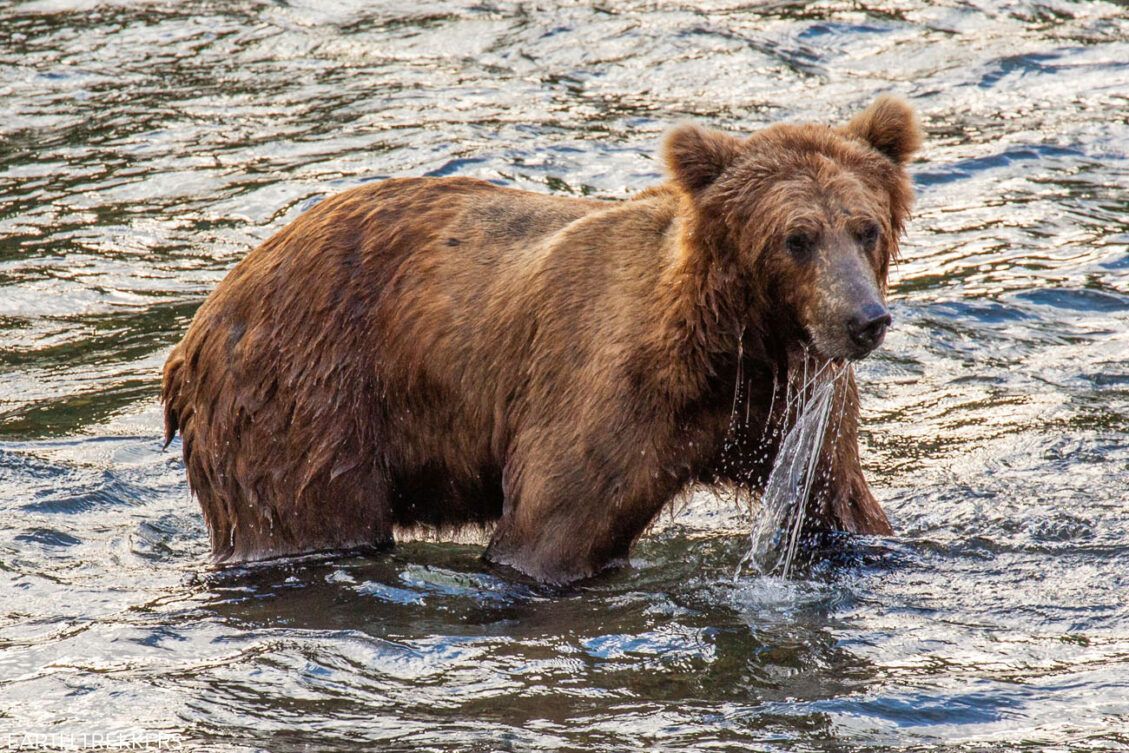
696,157
890,126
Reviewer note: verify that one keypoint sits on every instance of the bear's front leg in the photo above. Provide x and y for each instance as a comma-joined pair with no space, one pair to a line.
841,500
853,508
556,554
576,515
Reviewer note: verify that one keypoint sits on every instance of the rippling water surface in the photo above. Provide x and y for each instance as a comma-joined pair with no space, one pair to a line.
144,148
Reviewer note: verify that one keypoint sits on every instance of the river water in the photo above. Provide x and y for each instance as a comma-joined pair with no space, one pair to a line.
145,147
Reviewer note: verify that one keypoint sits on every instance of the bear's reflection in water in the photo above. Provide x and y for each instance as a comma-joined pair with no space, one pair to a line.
419,616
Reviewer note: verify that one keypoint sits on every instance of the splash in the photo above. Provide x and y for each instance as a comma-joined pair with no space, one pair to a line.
775,537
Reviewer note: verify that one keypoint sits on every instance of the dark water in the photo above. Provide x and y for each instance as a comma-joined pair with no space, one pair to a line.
144,148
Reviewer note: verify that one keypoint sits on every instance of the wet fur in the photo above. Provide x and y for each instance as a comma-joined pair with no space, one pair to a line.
444,352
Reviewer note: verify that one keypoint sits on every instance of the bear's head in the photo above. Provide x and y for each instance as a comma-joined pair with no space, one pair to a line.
807,216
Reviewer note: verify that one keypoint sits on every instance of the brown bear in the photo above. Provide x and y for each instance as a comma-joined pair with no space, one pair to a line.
440,352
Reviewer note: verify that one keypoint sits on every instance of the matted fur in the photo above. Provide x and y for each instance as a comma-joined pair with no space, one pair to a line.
441,352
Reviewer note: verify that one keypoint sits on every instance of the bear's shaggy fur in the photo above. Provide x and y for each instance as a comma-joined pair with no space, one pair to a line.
442,352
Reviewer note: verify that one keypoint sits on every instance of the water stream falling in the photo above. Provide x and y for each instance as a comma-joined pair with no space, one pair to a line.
775,537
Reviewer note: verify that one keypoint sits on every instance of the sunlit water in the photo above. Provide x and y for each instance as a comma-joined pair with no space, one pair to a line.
144,148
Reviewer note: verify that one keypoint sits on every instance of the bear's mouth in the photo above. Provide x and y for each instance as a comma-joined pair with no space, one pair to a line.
839,346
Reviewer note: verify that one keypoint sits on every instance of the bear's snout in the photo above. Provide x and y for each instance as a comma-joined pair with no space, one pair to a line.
867,328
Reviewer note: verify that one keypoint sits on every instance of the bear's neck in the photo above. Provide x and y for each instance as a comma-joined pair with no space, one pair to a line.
706,315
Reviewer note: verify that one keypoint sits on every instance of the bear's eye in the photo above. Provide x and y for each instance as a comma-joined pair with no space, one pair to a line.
799,244
868,236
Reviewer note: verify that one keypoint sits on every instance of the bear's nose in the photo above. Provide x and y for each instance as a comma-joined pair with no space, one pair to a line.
868,327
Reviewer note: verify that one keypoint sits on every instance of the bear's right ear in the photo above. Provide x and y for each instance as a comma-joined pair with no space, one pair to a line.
696,157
